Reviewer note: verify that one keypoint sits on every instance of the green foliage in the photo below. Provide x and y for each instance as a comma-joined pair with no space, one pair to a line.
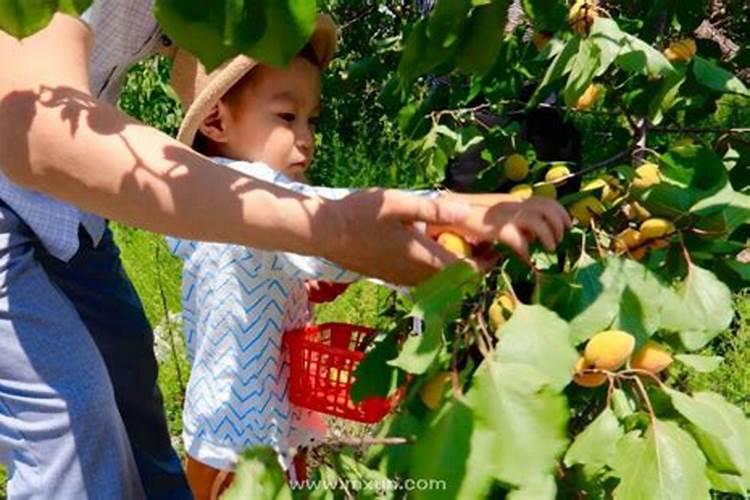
665,463
148,97
22,18
259,476
270,31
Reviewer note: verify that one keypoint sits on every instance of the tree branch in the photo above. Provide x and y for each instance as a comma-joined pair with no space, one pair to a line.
699,130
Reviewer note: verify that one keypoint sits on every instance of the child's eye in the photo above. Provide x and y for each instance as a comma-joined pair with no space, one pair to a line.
287,117
314,121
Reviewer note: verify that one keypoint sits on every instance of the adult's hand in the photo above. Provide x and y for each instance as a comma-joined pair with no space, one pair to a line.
376,233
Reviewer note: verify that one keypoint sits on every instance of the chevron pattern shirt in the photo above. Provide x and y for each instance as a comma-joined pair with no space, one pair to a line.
237,302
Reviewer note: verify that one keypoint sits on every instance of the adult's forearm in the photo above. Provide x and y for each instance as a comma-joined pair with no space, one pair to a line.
109,164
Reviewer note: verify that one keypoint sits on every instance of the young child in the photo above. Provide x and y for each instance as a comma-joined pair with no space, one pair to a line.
238,301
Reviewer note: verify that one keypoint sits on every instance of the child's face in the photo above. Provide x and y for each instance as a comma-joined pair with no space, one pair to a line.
271,117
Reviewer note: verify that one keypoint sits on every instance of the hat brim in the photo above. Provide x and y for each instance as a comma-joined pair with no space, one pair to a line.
323,42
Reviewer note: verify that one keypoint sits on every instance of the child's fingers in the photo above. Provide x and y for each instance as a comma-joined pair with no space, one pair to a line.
512,236
537,227
557,224
556,215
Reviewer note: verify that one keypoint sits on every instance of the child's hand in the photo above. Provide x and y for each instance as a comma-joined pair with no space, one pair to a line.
512,221
324,291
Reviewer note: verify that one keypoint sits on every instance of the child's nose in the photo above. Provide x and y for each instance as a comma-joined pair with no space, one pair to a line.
305,137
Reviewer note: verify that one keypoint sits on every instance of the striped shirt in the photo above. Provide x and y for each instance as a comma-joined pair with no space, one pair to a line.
237,302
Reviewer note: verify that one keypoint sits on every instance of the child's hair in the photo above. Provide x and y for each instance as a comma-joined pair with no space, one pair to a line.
206,146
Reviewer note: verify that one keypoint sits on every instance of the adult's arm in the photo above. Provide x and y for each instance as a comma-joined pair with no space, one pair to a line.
58,139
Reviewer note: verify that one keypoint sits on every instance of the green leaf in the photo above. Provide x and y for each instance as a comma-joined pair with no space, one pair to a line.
442,452
697,168
482,38
538,337
618,293
666,96
420,54
700,310
737,213
602,286
722,431
702,414
702,364
272,32
582,72
438,302
622,405
259,476
546,15
596,444
521,422
74,7
608,37
716,78
666,464
728,483
560,67
641,58
22,18
374,376
446,21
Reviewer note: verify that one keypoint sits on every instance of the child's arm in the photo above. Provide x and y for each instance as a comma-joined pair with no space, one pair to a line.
503,218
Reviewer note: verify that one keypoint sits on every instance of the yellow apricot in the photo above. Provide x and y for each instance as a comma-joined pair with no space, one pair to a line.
337,377
652,357
523,191
587,379
606,192
646,175
627,239
585,209
681,50
589,97
615,189
540,40
516,167
546,190
454,244
685,141
635,211
557,171
609,350
501,309
581,16
655,228
432,391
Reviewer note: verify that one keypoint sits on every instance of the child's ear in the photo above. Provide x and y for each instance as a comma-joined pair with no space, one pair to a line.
214,125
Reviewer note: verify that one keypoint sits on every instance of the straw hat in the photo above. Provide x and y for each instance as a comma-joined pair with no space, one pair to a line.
199,92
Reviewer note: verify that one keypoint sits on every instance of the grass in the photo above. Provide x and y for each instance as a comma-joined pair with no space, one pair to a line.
732,378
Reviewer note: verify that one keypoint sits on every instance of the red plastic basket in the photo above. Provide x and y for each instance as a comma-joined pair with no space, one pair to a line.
323,359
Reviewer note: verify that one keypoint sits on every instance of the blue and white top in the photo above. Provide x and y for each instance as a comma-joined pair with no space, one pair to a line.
237,302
